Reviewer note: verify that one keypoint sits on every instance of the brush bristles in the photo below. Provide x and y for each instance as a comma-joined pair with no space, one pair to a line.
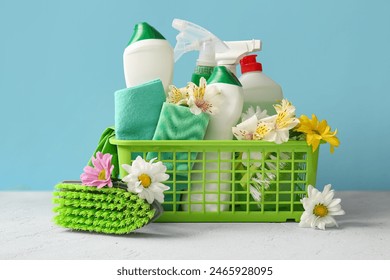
106,210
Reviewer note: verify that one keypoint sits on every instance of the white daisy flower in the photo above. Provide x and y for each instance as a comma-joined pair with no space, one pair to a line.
320,207
260,114
145,179
204,98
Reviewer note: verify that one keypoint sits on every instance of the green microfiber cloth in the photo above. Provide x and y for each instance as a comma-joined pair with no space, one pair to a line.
104,146
137,110
106,210
178,123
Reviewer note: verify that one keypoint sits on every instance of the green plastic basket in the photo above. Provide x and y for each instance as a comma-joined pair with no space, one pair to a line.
280,172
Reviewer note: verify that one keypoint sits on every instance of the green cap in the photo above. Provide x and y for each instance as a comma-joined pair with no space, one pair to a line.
144,31
223,75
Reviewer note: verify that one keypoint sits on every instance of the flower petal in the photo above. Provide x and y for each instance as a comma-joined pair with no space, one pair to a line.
148,196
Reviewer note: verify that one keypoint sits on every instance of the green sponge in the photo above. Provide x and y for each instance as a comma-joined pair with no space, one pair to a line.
106,210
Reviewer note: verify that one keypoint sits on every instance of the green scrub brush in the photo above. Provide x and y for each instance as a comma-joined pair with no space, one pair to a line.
106,210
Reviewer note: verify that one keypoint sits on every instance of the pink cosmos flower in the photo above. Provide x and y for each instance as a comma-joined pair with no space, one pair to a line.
99,175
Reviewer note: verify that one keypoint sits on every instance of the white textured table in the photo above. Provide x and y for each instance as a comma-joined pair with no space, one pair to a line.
26,232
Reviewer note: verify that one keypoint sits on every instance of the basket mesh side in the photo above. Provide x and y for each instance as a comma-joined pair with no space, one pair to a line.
230,181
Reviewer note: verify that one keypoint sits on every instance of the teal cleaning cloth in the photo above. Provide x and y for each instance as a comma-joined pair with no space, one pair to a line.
104,146
137,110
178,123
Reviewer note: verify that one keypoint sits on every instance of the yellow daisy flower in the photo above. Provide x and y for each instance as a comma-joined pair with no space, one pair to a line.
316,131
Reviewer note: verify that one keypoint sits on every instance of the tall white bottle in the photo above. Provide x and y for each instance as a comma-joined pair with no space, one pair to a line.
219,128
220,125
148,56
259,90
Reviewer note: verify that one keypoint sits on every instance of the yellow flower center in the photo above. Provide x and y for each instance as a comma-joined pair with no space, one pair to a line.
102,175
282,120
320,210
199,92
261,131
176,95
145,180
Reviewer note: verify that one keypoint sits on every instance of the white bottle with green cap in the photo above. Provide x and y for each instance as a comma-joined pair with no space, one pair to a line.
218,166
148,56
220,125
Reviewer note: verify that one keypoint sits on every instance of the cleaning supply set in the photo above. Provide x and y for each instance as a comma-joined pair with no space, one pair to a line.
172,157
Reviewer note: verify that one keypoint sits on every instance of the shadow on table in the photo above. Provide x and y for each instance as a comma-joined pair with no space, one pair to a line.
361,212
149,231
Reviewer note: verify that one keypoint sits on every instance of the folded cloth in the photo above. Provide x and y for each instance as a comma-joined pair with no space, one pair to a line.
137,110
104,146
178,123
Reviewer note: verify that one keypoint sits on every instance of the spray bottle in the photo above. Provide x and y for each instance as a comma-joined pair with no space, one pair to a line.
259,89
237,50
193,37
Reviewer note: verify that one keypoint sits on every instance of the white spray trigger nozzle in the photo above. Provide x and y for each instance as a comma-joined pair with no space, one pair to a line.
194,37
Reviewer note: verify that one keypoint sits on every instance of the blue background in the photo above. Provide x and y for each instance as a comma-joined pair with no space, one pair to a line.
60,63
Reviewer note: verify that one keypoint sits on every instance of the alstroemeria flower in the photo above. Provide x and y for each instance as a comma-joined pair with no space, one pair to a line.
100,174
145,179
178,96
316,131
282,122
320,207
204,98
252,129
